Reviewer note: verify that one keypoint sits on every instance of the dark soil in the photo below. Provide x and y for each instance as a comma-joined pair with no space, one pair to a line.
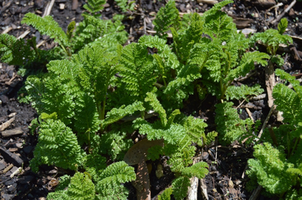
226,180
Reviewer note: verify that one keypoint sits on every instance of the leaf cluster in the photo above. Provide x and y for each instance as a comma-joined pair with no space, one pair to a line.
277,163
97,92
272,38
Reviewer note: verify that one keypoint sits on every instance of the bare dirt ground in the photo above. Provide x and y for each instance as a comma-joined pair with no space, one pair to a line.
226,180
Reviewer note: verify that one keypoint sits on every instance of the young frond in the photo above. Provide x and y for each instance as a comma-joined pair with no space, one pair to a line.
218,7
229,126
80,188
70,29
57,145
15,51
247,64
180,187
295,171
282,25
270,168
115,142
218,24
116,173
183,82
118,113
94,164
185,40
166,195
199,170
242,92
210,137
172,134
83,123
125,5
137,70
271,38
288,101
47,26
182,157
157,107
93,29
212,69
166,17
94,6
195,29
164,52
51,94
109,180
195,130
291,79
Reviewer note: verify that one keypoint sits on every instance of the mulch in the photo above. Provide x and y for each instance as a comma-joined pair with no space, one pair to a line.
227,164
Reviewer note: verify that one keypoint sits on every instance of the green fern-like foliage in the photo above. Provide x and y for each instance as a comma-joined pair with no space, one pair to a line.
166,194
109,181
95,75
296,171
167,16
184,40
57,145
282,25
93,28
166,60
270,168
181,155
288,101
271,38
156,131
93,164
163,128
180,187
50,94
155,104
242,92
278,169
125,5
228,63
137,71
47,26
247,64
118,113
199,170
217,23
229,126
15,51
94,6
116,142
80,188
195,129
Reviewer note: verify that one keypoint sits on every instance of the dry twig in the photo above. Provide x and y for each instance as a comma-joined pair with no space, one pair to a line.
285,11
48,8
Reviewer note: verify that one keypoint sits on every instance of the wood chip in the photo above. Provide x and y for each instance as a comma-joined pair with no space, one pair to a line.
6,124
7,30
270,82
48,8
7,168
211,2
11,157
24,34
75,4
12,132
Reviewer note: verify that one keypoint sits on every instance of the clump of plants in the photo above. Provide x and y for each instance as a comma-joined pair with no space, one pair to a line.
96,93
277,163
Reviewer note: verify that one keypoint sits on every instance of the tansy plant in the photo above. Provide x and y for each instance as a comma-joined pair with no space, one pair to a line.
278,161
97,92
